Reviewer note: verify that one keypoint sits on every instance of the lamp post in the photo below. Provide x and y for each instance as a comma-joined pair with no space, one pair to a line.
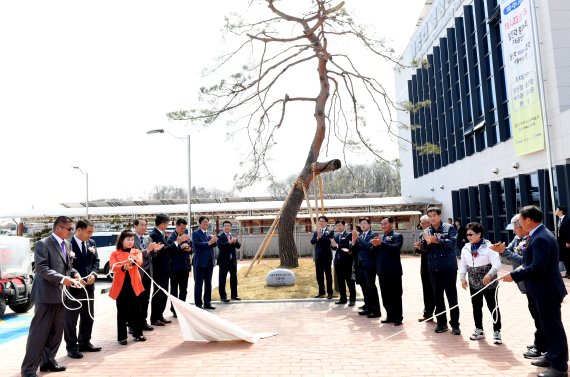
161,131
86,190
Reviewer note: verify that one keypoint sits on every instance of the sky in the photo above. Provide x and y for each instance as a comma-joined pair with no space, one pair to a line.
81,82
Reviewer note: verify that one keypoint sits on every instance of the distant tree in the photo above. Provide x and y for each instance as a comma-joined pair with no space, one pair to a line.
171,192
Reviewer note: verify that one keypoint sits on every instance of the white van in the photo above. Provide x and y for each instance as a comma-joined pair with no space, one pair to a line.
106,243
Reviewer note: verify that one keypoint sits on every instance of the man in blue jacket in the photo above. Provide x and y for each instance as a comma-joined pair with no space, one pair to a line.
544,284
227,262
323,257
180,266
203,242
362,246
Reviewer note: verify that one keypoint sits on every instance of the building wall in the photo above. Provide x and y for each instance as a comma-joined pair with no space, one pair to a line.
493,163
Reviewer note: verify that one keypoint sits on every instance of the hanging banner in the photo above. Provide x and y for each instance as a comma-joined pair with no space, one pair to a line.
521,76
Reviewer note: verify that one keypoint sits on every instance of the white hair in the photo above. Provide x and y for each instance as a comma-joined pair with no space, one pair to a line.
424,219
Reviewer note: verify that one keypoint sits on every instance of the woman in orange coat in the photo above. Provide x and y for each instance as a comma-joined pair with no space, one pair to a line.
127,286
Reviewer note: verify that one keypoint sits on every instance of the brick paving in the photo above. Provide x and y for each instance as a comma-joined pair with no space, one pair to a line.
316,338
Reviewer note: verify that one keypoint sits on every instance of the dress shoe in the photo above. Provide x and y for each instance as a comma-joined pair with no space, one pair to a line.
147,327
439,329
225,300
89,348
75,354
140,338
374,315
542,362
320,295
123,342
52,367
455,331
425,319
397,323
387,320
363,307
351,303
164,320
532,353
158,322
551,372
329,297
363,312
31,375
209,307
341,302
236,298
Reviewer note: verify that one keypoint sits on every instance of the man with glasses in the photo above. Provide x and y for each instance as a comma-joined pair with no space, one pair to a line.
53,271
420,245
204,258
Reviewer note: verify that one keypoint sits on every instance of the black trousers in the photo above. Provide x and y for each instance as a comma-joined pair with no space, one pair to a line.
224,269
128,309
556,341
44,337
203,280
373,304
391,291
427,289
84,315
144,297
445,282
179,285
539,339
477,303
565,257
158,302
323,270
343,273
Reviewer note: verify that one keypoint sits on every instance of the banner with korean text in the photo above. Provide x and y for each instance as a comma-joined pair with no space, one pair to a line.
521,76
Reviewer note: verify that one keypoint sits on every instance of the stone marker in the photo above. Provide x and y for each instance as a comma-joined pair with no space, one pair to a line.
280,276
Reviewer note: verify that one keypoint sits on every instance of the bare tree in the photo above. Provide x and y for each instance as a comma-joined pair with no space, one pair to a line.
285,44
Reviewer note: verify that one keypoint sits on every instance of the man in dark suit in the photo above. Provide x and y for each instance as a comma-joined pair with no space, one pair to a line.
420,245
53,271
323,257
441,241
204,258
563,238
389,270
161,267
227,262
361,244
147,247
343,260
180,264
86,261
544,284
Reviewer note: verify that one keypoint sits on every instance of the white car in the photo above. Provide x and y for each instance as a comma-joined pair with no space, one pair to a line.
106,243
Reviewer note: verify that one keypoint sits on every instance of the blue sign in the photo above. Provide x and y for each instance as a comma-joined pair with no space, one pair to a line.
512,6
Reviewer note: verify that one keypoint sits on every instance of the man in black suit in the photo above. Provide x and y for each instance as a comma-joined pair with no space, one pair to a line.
389,270
86,261
563,238
343,260
420,245
161,267
180,266
323,257
53,271
203,242
362,245
227,262
544,284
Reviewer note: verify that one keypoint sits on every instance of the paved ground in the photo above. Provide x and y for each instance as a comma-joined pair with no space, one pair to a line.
315,338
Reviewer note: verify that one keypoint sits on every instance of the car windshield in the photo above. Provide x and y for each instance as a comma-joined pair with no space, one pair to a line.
105,240
14,257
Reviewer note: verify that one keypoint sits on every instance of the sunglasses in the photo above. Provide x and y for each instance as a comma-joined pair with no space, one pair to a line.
69,229
470,234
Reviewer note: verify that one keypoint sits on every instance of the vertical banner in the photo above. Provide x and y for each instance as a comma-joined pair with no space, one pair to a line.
521,76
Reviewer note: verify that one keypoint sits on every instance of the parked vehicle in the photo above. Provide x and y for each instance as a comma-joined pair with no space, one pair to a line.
106,243
16,276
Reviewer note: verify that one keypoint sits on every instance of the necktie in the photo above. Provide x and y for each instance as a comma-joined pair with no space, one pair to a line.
63,251
83,250
229,236
142,242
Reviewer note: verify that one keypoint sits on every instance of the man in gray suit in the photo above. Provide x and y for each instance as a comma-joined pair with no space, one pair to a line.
53,271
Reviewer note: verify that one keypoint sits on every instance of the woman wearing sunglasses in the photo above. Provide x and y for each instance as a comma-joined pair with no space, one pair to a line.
481,264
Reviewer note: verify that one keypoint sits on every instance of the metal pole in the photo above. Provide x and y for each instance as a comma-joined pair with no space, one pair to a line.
189,188
87,194
543,107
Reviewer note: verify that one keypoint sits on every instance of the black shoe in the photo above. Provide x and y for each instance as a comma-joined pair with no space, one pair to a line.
351,303
209,307
397,323
542,362
52,367
158,322
89,348
225,300
174,315
340,302
147,327
140,338
439,329
364,312
329,297
75,354
320,295
551,372
363,307
236,298
455,331
425,319
123,342
387,320
374,315
532,353
164,320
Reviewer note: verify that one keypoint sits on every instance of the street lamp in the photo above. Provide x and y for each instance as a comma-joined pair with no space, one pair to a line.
161,131
86,190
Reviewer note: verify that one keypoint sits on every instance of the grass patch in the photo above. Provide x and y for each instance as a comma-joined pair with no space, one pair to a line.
253,286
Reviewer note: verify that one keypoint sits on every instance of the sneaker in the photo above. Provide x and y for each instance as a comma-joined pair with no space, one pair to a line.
455,331
532,353
497,337
478,334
